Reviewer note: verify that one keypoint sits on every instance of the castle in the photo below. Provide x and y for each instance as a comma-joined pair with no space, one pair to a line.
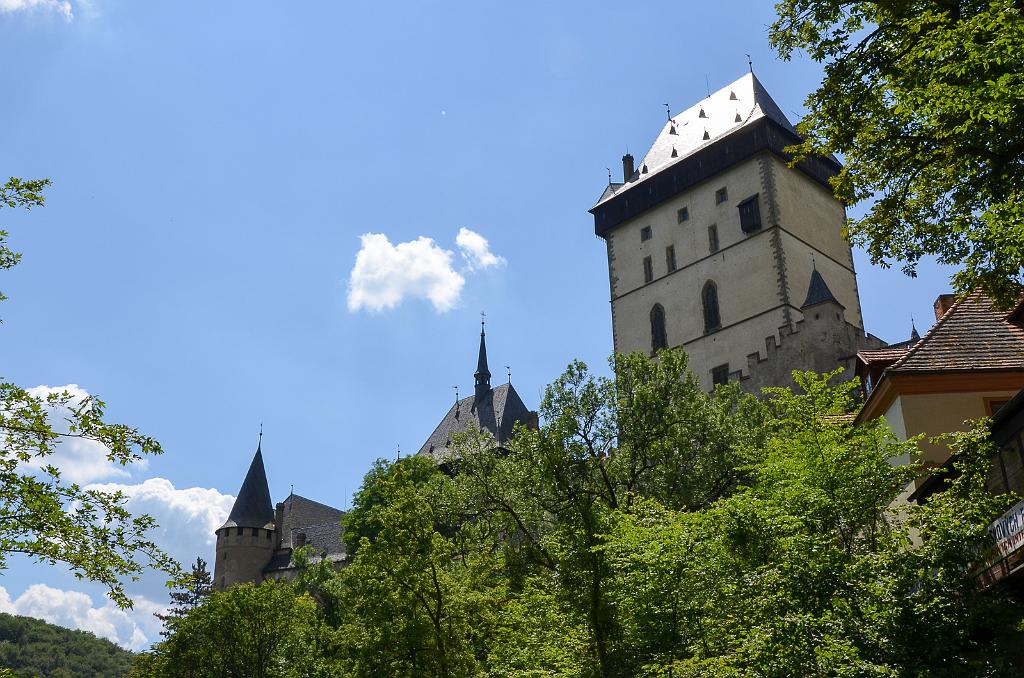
714,244
257,540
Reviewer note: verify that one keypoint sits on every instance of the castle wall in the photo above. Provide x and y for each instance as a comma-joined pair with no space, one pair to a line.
241,555
820,341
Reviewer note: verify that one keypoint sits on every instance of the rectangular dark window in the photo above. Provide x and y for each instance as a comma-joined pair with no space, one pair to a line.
648,270
712,238
670,258
721,195
682,214
720,374
750,214
645,233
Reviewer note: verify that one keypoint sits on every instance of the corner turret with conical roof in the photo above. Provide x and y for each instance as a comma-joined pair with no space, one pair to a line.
246,541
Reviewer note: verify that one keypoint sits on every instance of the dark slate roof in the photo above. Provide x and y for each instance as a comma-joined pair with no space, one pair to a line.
319,522
299,514
497,413
818,291
252,507
970,336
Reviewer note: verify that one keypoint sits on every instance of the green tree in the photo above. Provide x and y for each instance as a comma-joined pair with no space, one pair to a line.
922,99
808,570
42,515
248,631
188,594
651,431
414,605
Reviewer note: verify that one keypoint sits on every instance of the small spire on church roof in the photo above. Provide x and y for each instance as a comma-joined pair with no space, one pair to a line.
482,376
914,335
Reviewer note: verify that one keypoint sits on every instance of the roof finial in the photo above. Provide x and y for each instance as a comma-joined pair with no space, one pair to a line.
509,370
609,174
750,63
668,111
707,86
914,335
814,266
259,445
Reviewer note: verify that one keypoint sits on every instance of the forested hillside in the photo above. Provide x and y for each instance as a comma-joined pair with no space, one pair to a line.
31,647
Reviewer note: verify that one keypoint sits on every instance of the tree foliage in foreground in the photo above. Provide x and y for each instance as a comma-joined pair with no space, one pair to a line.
41,514
647,529
922,98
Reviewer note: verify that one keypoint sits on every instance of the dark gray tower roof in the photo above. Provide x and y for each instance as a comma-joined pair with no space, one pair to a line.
483,375
252,507
818,292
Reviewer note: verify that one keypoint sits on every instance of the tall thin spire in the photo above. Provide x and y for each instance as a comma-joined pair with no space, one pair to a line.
482,375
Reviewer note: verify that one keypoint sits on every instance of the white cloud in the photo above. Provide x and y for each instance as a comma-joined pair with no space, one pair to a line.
79,460
476,250
186,517
62,7
385,274
134,629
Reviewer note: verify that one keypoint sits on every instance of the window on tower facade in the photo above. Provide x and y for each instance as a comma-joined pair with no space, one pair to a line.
750,214
712,238
720,374
721,195
648,270
709,299
682,214
659,337
670,258
645,233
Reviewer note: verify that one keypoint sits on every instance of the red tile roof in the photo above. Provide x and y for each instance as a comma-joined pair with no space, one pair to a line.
970,336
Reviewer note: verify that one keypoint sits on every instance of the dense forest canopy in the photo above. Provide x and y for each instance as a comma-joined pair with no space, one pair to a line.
647,528
31,647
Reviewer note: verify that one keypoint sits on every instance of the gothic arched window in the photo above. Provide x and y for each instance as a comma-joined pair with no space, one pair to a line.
659,337
709,299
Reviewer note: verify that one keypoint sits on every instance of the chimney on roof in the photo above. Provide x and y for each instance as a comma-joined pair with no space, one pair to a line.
627,167
942,304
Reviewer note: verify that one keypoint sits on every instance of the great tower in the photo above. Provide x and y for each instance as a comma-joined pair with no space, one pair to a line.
715,244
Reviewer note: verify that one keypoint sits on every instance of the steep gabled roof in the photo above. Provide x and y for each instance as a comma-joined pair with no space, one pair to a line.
252,507
970,336
497,413
737,105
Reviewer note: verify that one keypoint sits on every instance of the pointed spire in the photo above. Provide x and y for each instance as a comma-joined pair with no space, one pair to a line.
482,375
818,291
252,507
914,335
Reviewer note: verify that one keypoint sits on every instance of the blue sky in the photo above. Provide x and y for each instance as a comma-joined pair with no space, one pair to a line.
214,166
